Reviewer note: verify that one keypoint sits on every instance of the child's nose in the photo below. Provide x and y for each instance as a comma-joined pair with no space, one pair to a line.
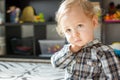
76,33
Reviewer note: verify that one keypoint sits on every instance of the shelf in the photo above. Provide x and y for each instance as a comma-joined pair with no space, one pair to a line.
30,23
112,21
25,59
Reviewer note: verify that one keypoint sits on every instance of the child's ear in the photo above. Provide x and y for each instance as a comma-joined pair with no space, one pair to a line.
95,21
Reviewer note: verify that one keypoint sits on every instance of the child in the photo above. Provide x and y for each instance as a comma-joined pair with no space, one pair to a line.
84,58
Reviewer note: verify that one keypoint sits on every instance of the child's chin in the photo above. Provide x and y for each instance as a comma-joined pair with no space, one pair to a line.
79,45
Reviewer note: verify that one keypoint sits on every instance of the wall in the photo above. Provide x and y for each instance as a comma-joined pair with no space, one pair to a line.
52,33
27,31
110,30
2,6
2,9
111,33
48,7
106,3
97,32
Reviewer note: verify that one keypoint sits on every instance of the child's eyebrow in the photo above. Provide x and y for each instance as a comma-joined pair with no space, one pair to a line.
66,27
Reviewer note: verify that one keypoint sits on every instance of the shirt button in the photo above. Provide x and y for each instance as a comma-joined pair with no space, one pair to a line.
78,59
76,72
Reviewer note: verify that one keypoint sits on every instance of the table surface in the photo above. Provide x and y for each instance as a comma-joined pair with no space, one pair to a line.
29,71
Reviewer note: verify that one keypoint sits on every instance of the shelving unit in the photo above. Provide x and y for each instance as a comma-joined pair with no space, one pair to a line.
30,33
110,28
21,39
110,33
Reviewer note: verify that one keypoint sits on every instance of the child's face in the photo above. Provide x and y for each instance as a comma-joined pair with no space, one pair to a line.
77,27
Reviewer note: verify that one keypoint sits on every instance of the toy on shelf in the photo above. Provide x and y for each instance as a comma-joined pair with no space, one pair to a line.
40,18
50,46
113,14
116,47
112,8
28,14
113,17
54,48
14,14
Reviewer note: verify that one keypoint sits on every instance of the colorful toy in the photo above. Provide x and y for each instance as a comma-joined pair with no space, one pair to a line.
115,16
113,13
40,18
54,48
28,14
116,47
14,14
112,8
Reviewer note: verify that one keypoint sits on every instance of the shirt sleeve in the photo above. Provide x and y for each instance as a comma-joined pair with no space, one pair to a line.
110,65
62,58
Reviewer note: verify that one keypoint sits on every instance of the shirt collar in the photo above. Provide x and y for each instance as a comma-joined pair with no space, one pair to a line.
95,41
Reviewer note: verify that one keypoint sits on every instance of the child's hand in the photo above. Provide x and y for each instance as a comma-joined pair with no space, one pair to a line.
75,48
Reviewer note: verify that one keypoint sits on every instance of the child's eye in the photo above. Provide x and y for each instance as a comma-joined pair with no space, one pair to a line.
68,30
80,25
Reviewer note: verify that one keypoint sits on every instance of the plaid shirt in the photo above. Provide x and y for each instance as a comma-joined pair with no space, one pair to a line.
94,61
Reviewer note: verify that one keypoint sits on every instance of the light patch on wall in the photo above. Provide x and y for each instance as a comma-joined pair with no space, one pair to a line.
27,31
97,32
52,33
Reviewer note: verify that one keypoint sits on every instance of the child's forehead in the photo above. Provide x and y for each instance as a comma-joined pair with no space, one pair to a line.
75,10
78,7
73,7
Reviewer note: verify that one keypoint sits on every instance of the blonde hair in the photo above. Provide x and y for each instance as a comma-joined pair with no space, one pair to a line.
86,5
